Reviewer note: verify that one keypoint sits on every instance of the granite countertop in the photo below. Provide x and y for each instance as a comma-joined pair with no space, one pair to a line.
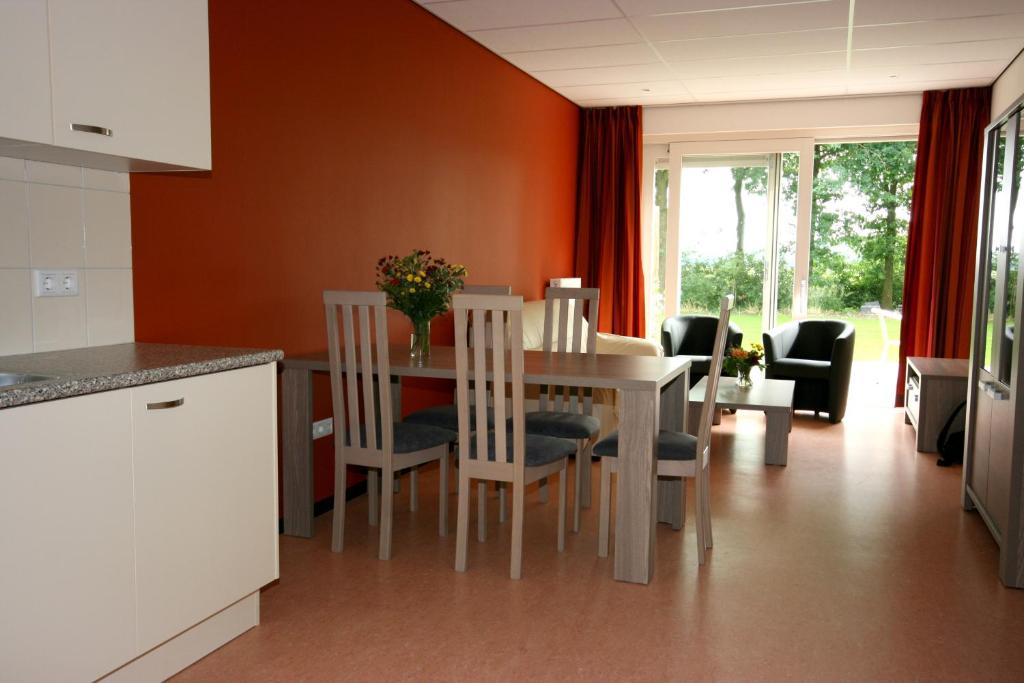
90,370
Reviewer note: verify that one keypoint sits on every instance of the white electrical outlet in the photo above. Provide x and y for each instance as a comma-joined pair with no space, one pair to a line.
55,282
322,428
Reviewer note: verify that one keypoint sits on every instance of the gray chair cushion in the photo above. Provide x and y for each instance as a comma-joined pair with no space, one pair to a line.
447,417
562,425
801,368
671,446
540,450
413,437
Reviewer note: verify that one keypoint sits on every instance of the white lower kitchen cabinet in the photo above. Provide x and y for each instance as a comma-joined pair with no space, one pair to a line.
137,526
205,477
67,592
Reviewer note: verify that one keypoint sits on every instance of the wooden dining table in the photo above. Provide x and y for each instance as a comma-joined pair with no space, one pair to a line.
652,395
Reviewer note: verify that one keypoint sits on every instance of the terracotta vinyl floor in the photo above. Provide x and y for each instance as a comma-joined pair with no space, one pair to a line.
854,563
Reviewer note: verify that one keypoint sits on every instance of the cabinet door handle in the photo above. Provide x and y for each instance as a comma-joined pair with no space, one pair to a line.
98,130
164,405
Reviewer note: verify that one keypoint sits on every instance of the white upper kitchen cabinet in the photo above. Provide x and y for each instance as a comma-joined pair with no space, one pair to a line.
25,72
130,78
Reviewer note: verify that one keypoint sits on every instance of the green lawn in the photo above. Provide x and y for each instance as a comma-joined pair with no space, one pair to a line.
868,343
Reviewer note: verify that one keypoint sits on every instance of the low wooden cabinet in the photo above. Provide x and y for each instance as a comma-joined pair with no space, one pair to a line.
935,387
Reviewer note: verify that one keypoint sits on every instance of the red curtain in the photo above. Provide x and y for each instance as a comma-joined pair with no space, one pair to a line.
938,288
608,249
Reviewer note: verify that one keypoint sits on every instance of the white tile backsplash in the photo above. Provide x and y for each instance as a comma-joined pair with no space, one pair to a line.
54,216
108,301
15,311
13,225
108,229
56,233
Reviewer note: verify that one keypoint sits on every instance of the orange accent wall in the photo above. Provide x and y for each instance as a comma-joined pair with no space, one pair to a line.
343,132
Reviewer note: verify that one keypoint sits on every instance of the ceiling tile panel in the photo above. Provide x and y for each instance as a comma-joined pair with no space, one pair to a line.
593,92
945,31
554,36
780,64
611,74
751,20
636,8
579,57
987,50
753,46
473,15
890,11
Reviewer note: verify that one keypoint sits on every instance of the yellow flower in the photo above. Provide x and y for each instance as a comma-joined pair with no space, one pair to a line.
412,290
418,279
427,285
422,274
409,277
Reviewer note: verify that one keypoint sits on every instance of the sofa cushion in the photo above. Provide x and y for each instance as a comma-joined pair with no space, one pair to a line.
800,368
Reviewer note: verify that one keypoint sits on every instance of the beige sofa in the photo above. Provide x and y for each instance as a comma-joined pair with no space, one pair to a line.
605,405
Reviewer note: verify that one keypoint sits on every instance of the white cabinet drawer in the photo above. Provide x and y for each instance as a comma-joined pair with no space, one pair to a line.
205,463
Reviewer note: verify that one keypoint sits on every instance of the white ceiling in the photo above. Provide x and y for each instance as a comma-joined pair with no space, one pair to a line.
608,52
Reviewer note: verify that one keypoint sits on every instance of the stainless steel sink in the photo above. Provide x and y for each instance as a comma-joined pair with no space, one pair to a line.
10,379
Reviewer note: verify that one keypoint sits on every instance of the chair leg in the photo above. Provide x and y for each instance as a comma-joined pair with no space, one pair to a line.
481,511
682,503
604,515
577,490
562,486
414,489
462,524
542,490
585,482
387,509
518,503
502,499
373,489
707,510
701,529
442,496
338,521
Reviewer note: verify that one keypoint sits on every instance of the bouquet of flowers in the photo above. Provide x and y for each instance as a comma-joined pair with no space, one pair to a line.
740,362
421,287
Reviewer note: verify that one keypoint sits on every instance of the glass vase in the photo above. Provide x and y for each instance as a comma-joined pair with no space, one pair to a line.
419,343
743,380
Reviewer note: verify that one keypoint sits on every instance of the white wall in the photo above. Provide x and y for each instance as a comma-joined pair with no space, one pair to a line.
64,217
1008,87
822,118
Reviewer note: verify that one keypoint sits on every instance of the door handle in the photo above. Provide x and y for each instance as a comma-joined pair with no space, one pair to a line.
994,392
164,405
86,128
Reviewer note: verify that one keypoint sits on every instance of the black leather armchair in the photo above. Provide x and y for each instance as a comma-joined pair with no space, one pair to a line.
694,335
818,356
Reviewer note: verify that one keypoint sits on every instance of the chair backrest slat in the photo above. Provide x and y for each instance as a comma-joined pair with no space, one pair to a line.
571,302
496,361
360,369
714,373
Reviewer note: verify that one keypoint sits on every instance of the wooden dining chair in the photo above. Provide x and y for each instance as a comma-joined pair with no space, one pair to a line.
506,453
678,454
447,415
567,412
365,433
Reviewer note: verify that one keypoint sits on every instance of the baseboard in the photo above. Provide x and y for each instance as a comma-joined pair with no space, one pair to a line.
327,504
190,646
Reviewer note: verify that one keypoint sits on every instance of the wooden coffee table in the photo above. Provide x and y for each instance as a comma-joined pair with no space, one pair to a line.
773,397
